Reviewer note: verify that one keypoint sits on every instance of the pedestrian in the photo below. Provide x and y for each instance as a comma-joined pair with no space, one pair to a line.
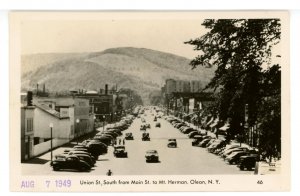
119,141
109,172
123,142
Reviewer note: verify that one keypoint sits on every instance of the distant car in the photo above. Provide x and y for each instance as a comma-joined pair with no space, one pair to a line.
148,126
193,133
204,142
152,156
128,136
143,127
157,124
145,137
247,162
172,143
197,140
70,162
119,151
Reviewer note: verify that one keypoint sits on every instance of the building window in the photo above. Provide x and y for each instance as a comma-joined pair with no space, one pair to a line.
29,125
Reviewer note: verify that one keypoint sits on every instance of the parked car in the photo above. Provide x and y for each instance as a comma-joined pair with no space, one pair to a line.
145,137
172,143
70,162
234,157
204,142
152,156
128,136
228,152
216,144
197,140
119,151
247,162
157,124
148,126
87,159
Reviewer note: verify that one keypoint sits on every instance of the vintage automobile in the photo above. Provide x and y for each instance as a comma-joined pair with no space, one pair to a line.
148,126
157,124
87,159
234,157
70,162
128,136
119,151
145,137
152,156
247,162
172,143
197,140
143,127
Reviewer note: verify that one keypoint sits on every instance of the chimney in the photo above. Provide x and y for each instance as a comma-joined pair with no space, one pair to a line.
29,98
106,89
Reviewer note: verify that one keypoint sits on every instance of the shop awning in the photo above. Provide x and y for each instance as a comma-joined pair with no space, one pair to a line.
225,127
214,124
210,121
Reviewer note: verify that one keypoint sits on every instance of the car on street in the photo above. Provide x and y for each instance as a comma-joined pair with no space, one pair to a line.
148,126
71,163
87,159
157,124
128,136
247,162
234,157
119,151
204,142
143,127
145,137
228,152
193,133
152,156
172,143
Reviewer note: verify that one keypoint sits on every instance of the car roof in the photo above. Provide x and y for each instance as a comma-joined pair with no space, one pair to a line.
151,151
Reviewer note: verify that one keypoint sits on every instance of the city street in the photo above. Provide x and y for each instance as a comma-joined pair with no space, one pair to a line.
183,160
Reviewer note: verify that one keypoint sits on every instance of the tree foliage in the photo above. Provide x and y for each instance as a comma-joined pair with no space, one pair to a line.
241,50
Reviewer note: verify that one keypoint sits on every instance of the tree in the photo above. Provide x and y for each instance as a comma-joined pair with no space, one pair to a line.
240,49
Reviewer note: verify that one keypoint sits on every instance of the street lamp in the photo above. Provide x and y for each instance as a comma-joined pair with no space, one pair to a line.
51,126
94,123
103,122
77,122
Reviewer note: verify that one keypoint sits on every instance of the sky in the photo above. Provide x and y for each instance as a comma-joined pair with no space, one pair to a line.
47,36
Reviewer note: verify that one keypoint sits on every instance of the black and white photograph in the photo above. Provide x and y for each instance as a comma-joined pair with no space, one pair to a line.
120,94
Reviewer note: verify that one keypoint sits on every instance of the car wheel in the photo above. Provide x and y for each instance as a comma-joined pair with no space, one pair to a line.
55,168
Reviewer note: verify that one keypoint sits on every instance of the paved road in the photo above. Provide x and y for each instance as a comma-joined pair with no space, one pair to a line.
183,160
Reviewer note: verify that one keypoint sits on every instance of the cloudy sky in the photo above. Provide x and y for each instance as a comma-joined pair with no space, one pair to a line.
85,35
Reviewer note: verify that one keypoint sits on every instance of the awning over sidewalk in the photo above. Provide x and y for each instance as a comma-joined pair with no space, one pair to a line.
215,123
210,121
225,127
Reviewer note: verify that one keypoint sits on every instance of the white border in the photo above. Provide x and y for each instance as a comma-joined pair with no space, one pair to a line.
293,5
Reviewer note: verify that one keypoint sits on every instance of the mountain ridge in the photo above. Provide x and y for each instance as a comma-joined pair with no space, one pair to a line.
143,70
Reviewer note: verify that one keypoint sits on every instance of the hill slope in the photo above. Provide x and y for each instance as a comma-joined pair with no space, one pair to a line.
143,70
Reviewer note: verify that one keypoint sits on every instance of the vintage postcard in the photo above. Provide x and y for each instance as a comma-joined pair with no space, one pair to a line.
149,101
